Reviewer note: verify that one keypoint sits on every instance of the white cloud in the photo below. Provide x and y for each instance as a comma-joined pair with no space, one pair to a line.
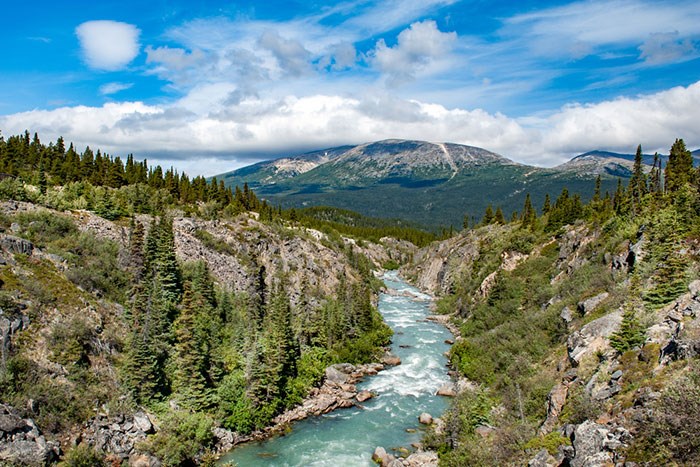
417,47
108,45
293,59
112,88
173,58
264,126
582,28
662,48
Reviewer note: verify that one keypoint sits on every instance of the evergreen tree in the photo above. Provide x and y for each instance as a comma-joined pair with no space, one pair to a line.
679,169
547,206
529,216
488,216
498,218
637,186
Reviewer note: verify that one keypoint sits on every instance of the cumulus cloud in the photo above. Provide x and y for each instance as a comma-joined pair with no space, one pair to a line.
108,89
236,129
108,45
417,46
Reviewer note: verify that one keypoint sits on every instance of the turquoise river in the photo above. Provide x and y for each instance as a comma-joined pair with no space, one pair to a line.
348,437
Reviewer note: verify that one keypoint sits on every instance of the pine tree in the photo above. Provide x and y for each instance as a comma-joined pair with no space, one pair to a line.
679,169
498,218
529,216
488,215
596,191
191,356
637,186
547,205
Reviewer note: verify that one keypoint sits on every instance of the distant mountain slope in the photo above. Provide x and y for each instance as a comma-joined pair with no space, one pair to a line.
432,184
612,163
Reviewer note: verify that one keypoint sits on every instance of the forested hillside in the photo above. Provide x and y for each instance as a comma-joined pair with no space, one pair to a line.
578,328
149,316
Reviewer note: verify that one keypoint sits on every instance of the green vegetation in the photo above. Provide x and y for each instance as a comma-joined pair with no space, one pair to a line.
510,320
126,326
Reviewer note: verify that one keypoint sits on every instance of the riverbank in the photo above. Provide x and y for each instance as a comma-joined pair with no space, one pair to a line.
390,419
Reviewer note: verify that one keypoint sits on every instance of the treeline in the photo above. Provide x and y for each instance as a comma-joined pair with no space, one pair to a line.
567,208
350,223
114,188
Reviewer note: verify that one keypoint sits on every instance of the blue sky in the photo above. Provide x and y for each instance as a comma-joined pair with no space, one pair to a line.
208,86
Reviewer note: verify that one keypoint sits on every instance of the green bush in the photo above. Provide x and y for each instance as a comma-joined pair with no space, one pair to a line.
83,455
181,439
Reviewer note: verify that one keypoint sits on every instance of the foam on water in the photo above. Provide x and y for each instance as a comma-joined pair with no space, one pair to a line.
348,437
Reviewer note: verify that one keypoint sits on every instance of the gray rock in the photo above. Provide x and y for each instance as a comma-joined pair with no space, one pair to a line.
142,422
588,305
13,244
566,315
694,288
425,418
593,336
336,376
587,440
543,459
616,375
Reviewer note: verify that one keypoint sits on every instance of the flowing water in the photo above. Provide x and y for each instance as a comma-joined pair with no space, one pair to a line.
348,437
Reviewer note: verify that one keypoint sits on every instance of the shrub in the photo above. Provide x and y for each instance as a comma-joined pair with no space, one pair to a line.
183,437
83,455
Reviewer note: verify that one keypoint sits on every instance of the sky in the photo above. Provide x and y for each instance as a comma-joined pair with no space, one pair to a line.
210,86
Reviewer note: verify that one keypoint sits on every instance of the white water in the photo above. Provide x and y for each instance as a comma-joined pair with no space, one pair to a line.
348,437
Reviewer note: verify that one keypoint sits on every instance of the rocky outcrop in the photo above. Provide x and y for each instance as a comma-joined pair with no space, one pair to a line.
593,336
12,244
593,444
416,459
338,391
590,304
21,441
119,435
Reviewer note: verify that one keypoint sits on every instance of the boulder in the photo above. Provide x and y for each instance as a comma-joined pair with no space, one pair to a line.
566,315
694,289
425,418
422,459
142,422
590,304
593,336
334,375
381,457
448,390
391,359
23,443
363,396
543,459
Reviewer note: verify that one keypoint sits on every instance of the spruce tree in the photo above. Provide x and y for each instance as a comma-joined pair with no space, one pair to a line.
679,169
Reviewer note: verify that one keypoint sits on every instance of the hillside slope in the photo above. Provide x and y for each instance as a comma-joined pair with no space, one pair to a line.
579,341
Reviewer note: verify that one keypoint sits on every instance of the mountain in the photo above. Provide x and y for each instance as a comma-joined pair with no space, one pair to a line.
431,184
612,163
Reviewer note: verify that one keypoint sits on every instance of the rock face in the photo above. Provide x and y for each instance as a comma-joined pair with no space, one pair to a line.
13,244
21,441
118,435
587,306
592,337
595,444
